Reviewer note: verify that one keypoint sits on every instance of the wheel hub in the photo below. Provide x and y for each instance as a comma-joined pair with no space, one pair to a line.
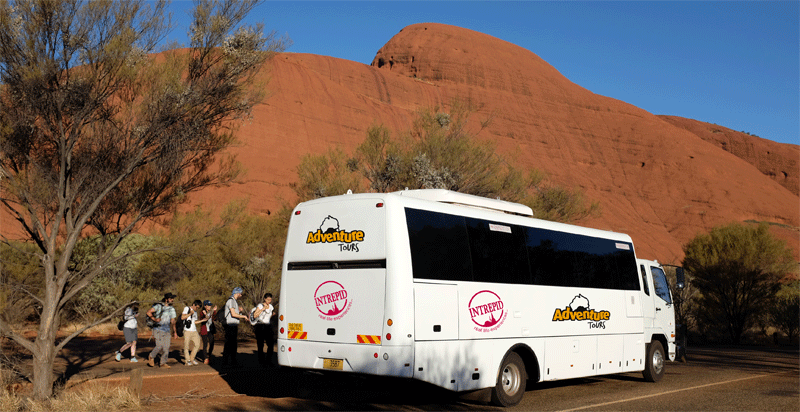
511,379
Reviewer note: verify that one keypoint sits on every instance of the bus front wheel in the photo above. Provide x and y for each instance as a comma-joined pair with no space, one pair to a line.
510,385
654,363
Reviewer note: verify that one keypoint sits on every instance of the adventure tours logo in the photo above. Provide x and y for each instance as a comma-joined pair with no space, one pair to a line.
332,300
579,310
487,311
329,232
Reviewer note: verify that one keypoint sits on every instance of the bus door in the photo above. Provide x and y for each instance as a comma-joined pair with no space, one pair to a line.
648,304
664,312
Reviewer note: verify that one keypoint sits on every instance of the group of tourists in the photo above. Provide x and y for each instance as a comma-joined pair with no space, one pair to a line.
199,329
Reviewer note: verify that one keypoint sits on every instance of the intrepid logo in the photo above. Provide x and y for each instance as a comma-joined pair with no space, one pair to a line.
329,232
487,311
331,300
579,309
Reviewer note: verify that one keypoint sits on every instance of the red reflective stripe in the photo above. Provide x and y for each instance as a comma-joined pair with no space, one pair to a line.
297,335
369,339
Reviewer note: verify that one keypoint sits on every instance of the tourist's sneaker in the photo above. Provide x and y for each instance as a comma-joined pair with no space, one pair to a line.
166,366
134,360
188,363
118,356
151,363
194,362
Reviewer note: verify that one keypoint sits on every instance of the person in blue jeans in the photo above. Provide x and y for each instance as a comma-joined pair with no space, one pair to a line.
164,315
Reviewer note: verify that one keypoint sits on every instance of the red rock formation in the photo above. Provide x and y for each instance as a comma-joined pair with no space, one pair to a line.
658,182
779,161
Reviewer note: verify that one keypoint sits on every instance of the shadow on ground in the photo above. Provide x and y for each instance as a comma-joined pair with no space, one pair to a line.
295,389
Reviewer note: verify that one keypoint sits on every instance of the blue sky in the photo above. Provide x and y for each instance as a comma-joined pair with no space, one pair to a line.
736,64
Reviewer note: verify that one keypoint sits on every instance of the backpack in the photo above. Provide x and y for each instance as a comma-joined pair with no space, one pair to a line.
179,324
253,319
221,315
157,314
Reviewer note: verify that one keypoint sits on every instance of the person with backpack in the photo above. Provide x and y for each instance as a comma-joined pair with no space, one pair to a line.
161,318
207,329
191,336
231,325
131,331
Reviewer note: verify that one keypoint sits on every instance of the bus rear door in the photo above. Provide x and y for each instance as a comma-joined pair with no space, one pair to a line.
333,285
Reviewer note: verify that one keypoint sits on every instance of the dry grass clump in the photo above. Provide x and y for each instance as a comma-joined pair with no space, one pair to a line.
103,329
90,398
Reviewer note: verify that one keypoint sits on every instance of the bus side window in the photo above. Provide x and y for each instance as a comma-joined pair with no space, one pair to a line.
439,246
498,252
660,284
644,280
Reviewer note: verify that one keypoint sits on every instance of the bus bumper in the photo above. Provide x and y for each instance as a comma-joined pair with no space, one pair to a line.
397,361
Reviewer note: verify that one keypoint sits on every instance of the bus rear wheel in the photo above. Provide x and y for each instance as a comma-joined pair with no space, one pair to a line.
510,385
654,363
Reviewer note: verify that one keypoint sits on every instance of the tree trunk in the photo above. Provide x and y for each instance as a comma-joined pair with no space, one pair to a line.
44,348
43,358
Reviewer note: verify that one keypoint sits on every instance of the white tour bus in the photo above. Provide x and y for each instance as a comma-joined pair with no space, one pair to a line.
466,293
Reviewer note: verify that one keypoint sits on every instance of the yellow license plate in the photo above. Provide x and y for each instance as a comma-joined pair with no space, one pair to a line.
335,364
295,327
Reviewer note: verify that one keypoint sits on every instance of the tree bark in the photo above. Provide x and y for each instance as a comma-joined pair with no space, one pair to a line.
43,358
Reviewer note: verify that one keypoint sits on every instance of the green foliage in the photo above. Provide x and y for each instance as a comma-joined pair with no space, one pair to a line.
785,312
116,285
19,267
198,263
437,152
328,174
737,270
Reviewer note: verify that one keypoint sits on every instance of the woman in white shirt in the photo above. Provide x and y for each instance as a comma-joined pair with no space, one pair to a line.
131,331
261,318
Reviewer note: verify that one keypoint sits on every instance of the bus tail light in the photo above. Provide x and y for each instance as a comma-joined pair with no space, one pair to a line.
388,336
375,355
281,330
389,322
297,212
281,318
379,204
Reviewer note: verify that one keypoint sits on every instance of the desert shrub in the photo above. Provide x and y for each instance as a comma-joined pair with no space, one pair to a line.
439,151
737,270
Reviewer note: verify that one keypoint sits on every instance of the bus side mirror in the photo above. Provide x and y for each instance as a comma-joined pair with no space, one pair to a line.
679,278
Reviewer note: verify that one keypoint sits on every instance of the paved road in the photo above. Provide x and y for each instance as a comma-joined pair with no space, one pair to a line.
716,379
713,379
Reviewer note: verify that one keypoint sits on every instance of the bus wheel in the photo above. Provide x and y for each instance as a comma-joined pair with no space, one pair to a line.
510,385
654,363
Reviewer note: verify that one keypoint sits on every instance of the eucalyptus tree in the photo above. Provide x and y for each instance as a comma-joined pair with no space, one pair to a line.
103,128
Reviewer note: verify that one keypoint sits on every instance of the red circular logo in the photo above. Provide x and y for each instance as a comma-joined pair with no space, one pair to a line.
330,298
486,309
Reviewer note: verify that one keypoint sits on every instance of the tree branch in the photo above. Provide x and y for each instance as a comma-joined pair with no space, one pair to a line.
83,329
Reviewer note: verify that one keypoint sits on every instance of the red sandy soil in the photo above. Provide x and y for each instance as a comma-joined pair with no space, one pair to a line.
89,362
661,179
